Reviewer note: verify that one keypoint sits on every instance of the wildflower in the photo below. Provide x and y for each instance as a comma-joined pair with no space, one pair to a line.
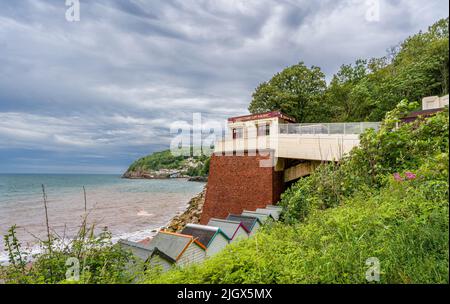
397,177
410,175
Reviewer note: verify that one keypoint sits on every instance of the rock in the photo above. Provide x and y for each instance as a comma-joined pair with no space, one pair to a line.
202,179
191,215
161,174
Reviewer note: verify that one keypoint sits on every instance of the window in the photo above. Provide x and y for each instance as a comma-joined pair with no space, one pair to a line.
238,133
263,130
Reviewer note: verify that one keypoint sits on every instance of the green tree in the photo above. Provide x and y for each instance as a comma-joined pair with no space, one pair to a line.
415,68
295,91
365,90
338,96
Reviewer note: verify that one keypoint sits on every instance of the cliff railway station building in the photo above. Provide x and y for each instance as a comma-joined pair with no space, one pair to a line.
263,154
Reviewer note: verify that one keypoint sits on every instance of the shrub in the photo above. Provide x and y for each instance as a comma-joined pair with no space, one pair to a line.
381,153
404,226
99,260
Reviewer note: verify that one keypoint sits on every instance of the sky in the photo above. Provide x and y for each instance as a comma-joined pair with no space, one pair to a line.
91,96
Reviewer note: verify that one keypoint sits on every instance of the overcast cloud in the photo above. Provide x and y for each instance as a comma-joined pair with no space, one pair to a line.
91,96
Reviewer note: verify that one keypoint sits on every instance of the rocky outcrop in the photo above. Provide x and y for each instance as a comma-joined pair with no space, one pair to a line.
202,179
191,215
161,174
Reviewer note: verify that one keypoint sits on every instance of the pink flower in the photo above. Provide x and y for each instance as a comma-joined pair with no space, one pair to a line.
410,175
397,177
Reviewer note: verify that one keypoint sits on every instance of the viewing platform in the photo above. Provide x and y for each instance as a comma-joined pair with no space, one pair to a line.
308,141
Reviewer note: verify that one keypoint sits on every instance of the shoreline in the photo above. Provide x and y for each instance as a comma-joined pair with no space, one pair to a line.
191,215
202,179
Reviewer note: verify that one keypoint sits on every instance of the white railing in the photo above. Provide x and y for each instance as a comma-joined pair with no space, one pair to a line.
328,128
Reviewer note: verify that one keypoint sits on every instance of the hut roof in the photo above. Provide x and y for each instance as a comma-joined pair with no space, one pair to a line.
228,227
151,252
204,234
262,216
172,244
248,221
273,212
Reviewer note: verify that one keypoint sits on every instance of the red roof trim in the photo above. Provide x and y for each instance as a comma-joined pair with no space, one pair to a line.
265,115
240,225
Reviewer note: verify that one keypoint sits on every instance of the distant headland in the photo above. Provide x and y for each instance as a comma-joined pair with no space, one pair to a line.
164,165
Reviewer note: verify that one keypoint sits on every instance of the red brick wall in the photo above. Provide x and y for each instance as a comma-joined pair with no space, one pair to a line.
236,183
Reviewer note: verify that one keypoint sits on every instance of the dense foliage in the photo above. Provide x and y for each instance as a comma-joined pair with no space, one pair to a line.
379,155
387,200
88,258
366,90
167,160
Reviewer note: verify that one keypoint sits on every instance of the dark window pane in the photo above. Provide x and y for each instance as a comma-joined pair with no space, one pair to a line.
263,130
237,133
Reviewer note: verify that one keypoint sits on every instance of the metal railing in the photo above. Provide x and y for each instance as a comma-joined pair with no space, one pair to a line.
328,128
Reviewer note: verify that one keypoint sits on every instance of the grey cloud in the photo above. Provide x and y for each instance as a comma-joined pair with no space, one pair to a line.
115,80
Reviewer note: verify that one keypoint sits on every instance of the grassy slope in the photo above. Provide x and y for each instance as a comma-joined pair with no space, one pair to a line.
407,233
403,224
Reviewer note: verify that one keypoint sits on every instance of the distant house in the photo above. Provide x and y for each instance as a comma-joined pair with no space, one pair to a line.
252,223
273,212
234,230
167,249
262,216
213,238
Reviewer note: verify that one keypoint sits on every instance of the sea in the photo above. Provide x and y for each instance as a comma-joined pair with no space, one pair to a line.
132,209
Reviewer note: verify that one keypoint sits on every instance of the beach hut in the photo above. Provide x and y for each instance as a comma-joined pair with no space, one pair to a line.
167,249
273,212
262,216
252,223
154,257
213,238
182,249
234,230
137,249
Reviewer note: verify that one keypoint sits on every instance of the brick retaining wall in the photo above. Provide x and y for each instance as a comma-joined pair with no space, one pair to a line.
236,183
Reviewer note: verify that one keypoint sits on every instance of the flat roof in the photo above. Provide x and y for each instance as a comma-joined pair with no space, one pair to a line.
422,113
258,116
